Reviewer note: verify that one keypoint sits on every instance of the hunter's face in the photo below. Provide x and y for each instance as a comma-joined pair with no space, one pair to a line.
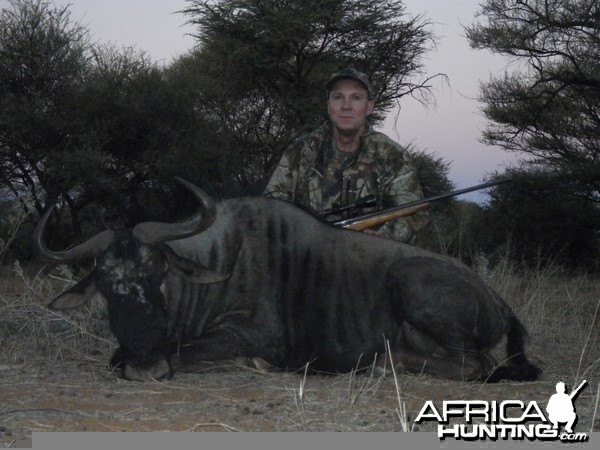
349,106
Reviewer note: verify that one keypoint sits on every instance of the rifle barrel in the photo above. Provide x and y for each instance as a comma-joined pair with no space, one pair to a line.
347,222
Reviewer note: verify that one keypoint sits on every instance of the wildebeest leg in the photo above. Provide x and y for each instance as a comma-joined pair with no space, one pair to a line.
416,352
449,318
220,351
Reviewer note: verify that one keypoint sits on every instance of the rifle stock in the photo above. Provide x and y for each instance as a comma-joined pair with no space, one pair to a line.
363,224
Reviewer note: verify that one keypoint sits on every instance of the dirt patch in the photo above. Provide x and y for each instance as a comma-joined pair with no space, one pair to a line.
54,376
88,397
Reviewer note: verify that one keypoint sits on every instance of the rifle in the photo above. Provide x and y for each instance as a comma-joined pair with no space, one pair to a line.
576,391
365,202
365,221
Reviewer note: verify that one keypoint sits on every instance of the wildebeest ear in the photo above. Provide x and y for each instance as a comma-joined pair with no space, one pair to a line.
191,270
77,296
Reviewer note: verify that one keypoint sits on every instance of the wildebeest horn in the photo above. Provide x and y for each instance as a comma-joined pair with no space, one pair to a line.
88,249
156,232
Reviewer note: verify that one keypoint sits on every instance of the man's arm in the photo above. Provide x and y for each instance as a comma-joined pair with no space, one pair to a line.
400,188
282,181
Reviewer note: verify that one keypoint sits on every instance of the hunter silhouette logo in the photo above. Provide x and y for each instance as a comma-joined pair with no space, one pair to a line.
560,407
509,419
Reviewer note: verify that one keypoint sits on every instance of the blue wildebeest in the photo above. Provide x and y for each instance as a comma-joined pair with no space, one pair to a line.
258,279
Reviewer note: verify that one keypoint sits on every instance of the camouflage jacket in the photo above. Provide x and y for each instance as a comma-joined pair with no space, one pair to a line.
315,175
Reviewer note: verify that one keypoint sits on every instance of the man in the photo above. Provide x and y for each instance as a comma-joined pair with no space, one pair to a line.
345,160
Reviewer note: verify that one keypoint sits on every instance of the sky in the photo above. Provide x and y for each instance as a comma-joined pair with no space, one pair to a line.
451,129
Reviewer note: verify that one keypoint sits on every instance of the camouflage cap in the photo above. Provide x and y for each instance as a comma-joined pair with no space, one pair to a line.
351,74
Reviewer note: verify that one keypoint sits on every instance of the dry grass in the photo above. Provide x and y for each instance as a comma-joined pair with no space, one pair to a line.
55,377
561,313
29,331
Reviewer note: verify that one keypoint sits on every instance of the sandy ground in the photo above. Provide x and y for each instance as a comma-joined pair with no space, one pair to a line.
54,377
86,396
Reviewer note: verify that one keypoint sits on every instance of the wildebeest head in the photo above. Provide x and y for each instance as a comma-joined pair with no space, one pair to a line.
131,269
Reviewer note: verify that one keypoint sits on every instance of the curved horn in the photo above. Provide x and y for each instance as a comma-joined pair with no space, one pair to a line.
88,249
156,232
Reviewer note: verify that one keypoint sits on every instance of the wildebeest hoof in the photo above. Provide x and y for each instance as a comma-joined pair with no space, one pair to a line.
159,371
227,365
255,363
261,365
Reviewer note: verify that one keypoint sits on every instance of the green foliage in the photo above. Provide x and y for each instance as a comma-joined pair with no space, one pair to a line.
139,119
550,109
262,66
448,231
433,172
544,221
104,130
42,58
12,218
